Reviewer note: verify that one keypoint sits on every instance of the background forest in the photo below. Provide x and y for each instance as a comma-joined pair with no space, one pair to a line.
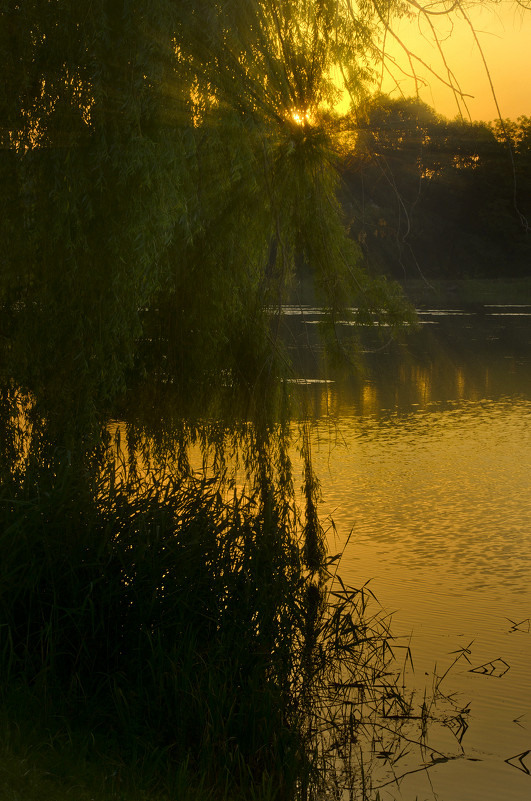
435,198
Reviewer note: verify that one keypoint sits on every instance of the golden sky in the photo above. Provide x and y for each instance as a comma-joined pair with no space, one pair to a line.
504,32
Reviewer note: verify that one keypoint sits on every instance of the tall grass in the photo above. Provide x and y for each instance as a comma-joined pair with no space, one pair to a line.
190,630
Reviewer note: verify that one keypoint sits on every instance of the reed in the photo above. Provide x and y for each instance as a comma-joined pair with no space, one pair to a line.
190,633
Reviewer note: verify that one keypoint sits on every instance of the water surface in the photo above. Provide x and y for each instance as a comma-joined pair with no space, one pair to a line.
425,458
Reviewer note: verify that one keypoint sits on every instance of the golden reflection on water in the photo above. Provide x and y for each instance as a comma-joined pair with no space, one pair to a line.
436,482
369,399
460,382
413,385
436,490
422,381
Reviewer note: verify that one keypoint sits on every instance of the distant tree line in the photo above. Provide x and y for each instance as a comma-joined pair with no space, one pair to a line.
438,197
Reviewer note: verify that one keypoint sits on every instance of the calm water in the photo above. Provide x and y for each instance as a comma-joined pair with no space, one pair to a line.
426,459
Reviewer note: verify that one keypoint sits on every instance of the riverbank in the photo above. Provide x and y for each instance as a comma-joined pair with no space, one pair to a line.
442,293
40,766
473,292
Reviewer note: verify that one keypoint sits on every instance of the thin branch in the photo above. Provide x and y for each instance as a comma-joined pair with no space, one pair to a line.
413,56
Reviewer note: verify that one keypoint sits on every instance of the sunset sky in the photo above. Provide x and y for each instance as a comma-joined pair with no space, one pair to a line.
504,32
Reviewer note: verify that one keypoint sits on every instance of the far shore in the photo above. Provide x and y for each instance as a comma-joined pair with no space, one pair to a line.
467,293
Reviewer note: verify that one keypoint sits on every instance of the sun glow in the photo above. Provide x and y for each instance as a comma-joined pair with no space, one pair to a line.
463,64
488,66
302,117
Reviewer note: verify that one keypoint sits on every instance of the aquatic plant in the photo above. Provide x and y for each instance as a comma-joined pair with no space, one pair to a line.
186,625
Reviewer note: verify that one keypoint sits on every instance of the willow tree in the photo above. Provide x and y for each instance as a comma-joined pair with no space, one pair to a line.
176,155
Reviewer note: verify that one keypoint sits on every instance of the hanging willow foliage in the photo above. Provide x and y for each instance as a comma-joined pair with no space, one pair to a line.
176,159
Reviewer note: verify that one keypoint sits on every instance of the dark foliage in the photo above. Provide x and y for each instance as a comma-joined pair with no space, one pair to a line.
437,198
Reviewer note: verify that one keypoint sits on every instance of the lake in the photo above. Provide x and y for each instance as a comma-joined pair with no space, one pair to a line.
426,459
